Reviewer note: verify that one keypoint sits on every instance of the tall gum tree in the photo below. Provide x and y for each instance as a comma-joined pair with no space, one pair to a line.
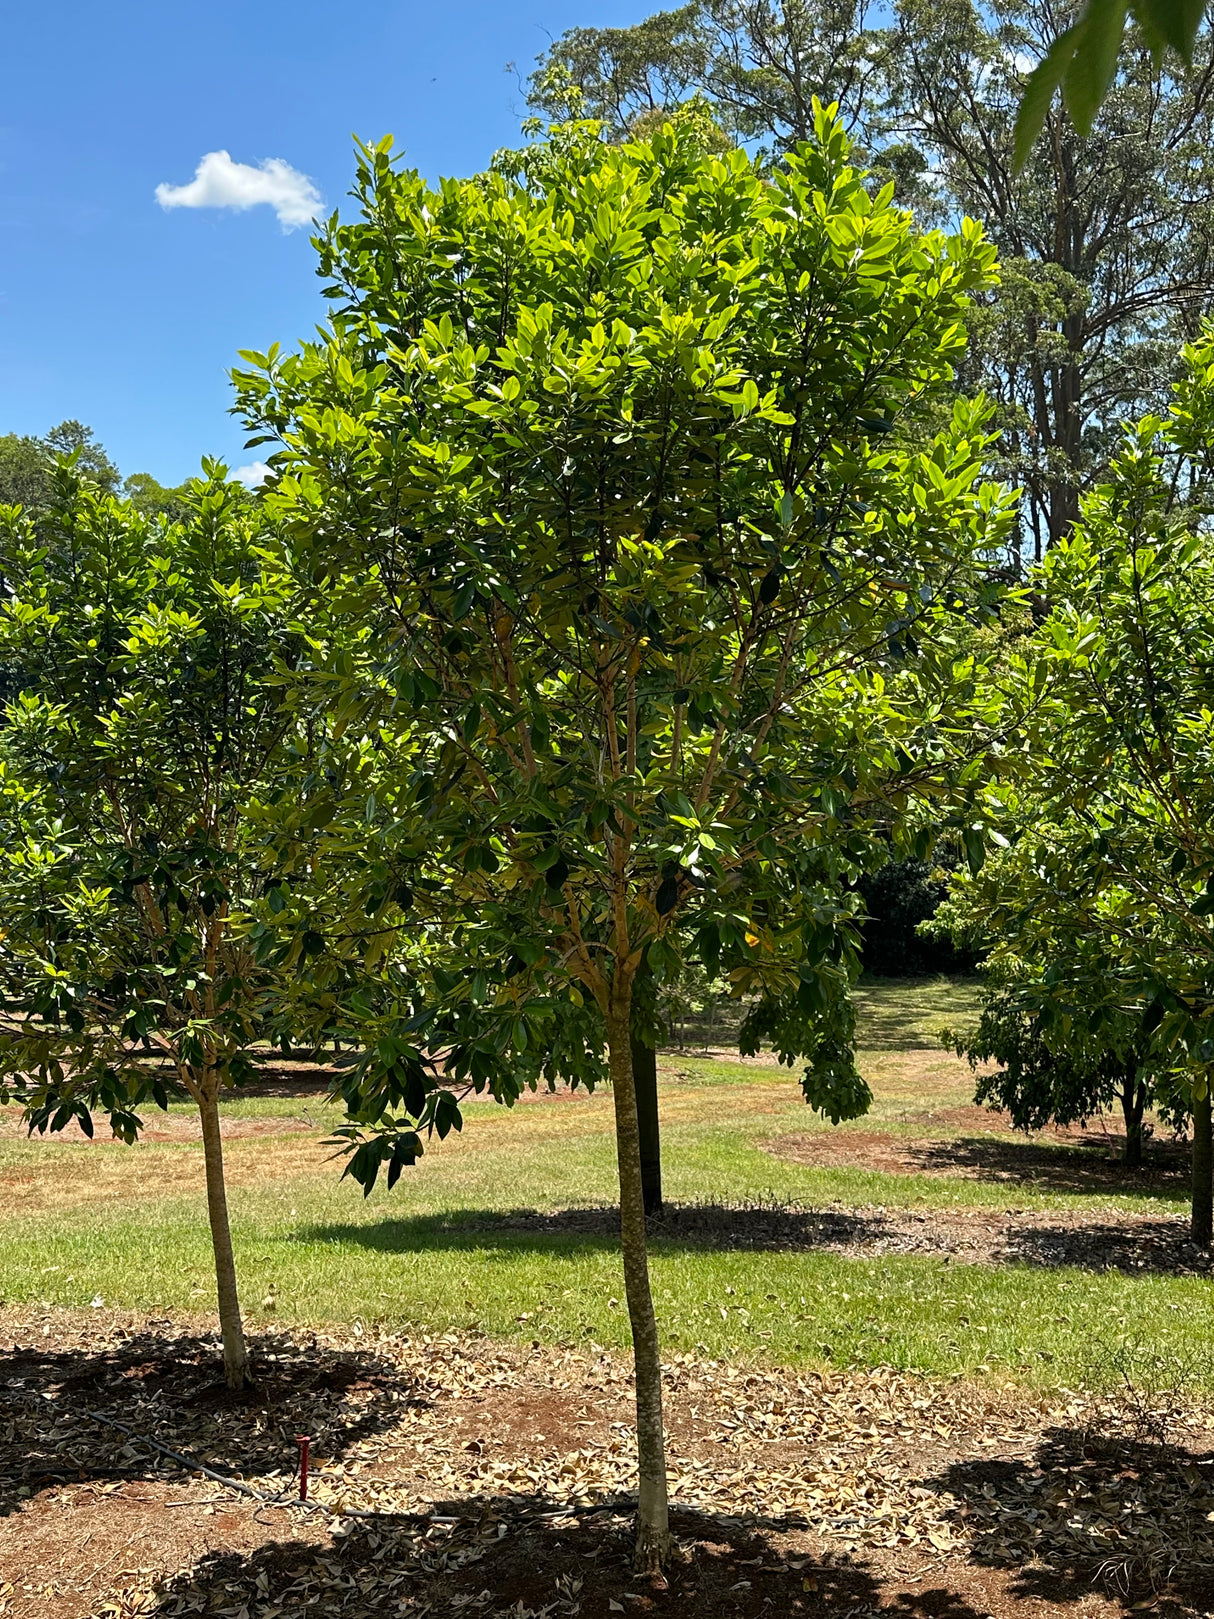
608,445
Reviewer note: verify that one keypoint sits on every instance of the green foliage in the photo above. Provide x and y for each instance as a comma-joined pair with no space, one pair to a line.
1056,1065
1104,238
602,452
27,473
143,729
1102,891
154,499
898,898
759,66
27,464
1082,61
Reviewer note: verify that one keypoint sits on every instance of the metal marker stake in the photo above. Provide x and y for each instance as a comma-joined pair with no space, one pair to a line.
303,1440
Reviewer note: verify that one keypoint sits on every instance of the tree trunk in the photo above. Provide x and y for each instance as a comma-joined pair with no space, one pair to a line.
645,1082
1202,1221
653,1518
235,1355
1133,1103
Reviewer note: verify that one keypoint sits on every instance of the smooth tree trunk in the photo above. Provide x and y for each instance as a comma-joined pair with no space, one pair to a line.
653,1510
1202,1223
645,1082
1133,1105
235,1355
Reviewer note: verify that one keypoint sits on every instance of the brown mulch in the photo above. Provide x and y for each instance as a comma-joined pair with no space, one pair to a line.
1057,1160
501,1479
977,1236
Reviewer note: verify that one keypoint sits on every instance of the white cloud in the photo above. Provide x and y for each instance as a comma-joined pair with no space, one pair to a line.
255,473
220,183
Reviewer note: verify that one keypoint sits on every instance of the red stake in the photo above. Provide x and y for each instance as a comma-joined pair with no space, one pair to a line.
303,1440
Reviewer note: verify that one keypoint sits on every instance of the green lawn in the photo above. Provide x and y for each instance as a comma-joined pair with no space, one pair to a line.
445,1251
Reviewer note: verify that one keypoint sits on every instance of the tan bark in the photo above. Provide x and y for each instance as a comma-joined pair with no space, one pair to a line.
653,1516
235,1355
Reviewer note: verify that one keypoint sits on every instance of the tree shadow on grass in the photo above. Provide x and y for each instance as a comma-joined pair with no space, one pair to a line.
168,1386
691,1226
525,1555
1111,1510
979,1236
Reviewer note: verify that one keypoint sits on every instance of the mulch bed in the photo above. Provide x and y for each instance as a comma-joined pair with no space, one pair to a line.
1071,1161
500,1478
1135,1244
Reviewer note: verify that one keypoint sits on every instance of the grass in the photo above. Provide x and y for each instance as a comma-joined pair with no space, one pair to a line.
442,1252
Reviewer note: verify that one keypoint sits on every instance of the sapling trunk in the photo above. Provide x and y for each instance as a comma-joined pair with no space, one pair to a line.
645,1082
1133,1104
653,1512
1201,1225
235,1355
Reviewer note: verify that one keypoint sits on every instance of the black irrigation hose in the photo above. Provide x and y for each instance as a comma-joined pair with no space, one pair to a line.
188,1462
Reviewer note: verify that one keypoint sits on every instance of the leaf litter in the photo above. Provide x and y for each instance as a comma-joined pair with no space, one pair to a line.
498,1469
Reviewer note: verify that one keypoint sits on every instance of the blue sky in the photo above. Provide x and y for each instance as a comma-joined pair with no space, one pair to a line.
127,315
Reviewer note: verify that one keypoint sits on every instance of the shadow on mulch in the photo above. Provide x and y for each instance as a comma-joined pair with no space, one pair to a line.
1136,1246
171,1388
504,1558
1063,1523
1087,1167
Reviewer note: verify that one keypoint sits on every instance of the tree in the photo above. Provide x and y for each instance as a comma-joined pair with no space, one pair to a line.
1104,239
899,897
1082,60
144,728
760,65
1056,1062
27,464
670,612
1064,1080
156,499
1115,876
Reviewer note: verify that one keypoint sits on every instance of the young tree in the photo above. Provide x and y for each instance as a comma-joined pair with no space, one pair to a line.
1115,873
608,447
143,725
1058,1059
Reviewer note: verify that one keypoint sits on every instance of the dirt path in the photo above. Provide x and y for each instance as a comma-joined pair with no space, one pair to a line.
856,1493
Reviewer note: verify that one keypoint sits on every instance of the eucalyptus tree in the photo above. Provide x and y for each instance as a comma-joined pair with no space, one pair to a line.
1081,60
605,445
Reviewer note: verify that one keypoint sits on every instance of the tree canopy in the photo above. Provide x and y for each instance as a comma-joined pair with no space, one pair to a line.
1104,237
1107,883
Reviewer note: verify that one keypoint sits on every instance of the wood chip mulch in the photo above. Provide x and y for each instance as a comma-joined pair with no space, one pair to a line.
977,1236
500,1477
